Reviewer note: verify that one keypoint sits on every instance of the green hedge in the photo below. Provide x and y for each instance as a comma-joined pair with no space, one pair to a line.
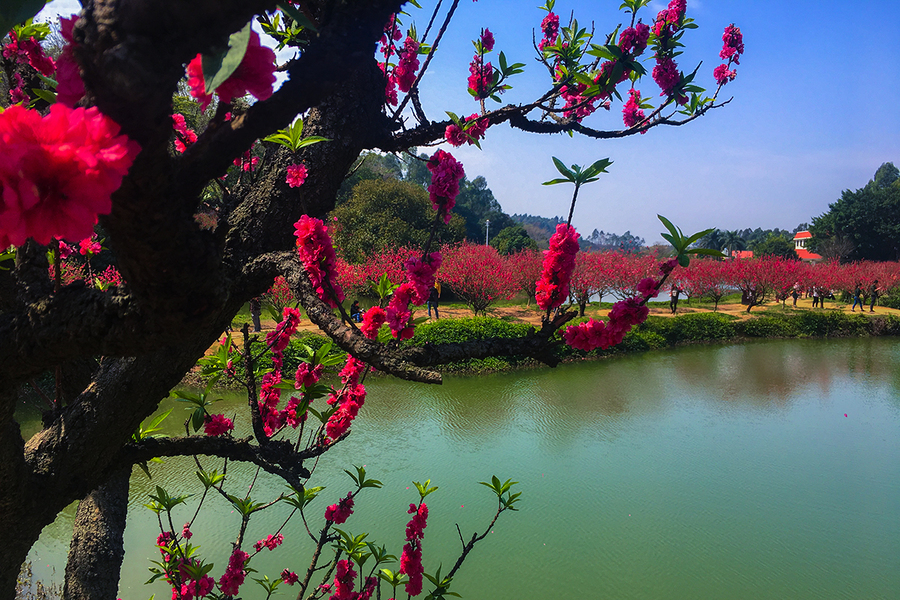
447,331
693,327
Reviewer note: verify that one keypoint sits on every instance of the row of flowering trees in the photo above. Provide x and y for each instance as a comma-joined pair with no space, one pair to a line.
479,276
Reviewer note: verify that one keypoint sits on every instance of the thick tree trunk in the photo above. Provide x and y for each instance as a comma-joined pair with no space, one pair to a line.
97,549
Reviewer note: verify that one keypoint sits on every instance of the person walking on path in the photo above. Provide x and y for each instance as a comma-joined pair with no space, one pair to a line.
873,295
674,292
857,298
815,295
255,311
433,297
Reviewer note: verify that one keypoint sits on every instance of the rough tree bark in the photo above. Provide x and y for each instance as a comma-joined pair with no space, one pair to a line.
97,549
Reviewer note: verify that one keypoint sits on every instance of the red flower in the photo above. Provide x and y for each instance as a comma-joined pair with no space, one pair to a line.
57,172
255,75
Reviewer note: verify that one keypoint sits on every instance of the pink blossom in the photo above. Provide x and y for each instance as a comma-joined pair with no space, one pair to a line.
184,135
69,87
307,375
550,29
296,175
319,259
271,542
666,75
217,425
588,336
723,75
421,274
557,268
372,321
340,512
352,370
57,172
186,531
631,112
343,581
634,39
446,173
668,266
89,246
733,46
349,400
255,75
289,577
405,71
398,314
411,559
481,77
487,40
647,287
475,128
234,575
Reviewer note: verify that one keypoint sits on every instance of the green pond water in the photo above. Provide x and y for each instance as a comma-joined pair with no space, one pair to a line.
726,472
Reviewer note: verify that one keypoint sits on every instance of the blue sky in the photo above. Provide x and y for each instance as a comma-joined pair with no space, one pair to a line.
814,113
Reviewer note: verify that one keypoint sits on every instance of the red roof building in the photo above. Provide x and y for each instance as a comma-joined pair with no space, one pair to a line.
800,240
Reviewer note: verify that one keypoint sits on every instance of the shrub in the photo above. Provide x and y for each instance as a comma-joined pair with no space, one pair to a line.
695,327
447,331
832,323
767,326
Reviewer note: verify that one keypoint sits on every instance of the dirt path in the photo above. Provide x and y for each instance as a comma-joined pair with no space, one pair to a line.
532,315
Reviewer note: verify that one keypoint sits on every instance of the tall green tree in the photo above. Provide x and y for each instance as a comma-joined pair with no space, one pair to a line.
476,204
868,219
513,239
388,213
775,245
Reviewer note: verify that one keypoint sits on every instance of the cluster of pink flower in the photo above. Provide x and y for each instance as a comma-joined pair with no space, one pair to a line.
372,321
481,74
57,172
289,577
411,559
392,34
231,581
269,392
473,129
340,512
732,49
420,274
318,258
69,85
307,375
89,246
550,29
398,314
255,75
666,74
349,400
405,71
352,371
26,52
184,135
215,425
631,112
194,588
296,175
558,265
343,581
186,531
578,106
271,542
446,172
633,40
246,162
623,316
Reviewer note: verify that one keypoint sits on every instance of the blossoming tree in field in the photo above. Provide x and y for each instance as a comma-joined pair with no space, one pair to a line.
90,137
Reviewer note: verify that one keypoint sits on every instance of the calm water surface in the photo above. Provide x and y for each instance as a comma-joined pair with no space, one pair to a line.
703,472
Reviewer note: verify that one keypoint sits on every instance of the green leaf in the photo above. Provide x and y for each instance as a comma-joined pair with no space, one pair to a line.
14,12
564,171
218,68
297,16
555,181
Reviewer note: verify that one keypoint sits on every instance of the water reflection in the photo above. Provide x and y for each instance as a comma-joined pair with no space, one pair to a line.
678,474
